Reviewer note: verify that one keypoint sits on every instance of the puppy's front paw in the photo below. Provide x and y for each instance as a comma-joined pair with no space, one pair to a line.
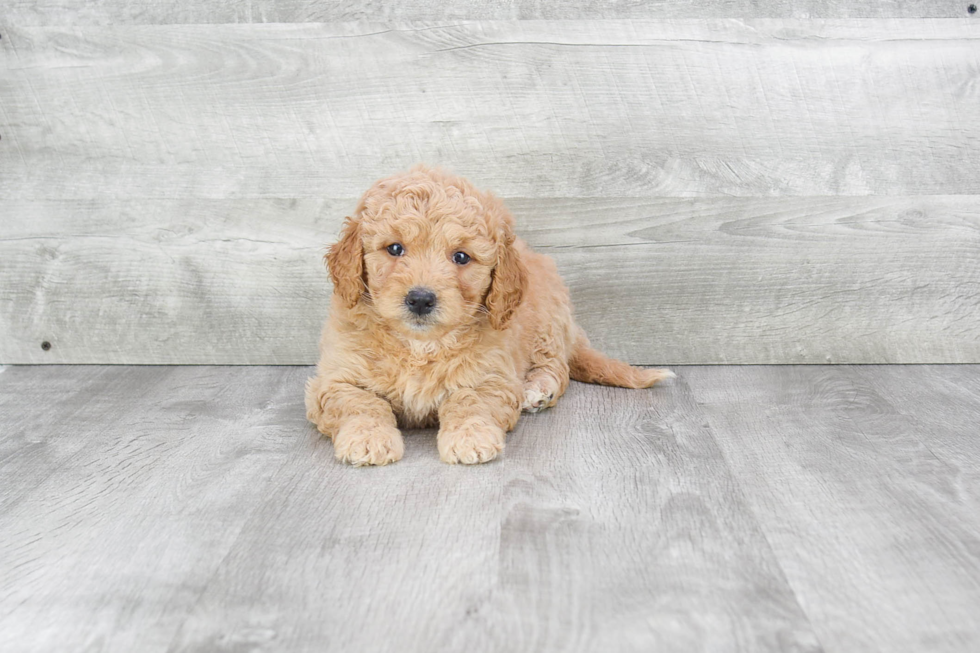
314,398
474,442
363,443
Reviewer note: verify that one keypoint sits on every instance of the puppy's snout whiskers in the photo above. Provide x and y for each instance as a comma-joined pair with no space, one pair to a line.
476,306
366,292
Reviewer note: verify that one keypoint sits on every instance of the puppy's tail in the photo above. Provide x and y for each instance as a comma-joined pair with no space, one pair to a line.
591,366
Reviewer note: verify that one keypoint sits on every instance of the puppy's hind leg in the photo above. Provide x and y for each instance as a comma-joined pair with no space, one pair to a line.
545,383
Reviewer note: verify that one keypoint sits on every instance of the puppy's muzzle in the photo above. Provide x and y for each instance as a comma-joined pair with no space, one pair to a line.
420,301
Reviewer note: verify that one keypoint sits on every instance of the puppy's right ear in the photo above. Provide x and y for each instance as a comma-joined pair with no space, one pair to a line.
345,260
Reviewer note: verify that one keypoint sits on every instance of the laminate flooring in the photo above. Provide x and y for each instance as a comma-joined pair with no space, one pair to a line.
760,508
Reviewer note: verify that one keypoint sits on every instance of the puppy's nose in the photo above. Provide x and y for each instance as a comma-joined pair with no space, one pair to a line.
420,301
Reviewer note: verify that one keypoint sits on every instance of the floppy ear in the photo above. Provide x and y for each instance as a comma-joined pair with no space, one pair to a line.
345,260
508,280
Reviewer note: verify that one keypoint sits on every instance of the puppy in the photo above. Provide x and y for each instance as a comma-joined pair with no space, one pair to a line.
440,315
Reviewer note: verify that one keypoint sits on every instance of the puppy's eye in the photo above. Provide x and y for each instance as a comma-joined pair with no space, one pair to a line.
461,258
396,249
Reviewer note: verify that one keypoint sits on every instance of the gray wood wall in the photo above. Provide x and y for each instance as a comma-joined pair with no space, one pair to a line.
720,182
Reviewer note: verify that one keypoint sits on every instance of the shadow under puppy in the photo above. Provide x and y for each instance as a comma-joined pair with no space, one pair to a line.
440,315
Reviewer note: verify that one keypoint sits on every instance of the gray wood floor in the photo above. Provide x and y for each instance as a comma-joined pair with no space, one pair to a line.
741,508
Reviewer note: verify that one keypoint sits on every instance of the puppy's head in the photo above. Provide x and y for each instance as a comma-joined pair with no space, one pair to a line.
429,253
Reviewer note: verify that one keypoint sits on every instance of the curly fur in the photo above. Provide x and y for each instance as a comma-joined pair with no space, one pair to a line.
500,339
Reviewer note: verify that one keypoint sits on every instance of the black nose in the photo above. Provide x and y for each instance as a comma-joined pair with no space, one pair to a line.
420,301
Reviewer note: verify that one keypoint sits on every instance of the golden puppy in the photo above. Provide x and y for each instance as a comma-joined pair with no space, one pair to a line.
440,315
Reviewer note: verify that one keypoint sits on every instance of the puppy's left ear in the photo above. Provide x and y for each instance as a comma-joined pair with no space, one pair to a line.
345,260
507,285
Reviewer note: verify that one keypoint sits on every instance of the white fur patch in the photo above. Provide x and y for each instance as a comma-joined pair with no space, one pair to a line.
535,400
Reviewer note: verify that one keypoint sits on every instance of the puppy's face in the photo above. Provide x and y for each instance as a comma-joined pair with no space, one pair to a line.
428,271
434,255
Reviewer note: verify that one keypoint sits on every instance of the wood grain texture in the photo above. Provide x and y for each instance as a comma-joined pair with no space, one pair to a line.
36,443
869,476
656,281
585,108
206,516
758,508
165,187
128,494
126,12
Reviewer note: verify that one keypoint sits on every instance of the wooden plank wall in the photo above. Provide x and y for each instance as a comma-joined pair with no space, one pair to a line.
724,182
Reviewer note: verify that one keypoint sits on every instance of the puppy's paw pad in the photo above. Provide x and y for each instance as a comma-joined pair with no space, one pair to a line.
471,445
535,400
372,445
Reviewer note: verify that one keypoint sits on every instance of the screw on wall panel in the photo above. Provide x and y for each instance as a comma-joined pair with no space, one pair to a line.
46,345
972,9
